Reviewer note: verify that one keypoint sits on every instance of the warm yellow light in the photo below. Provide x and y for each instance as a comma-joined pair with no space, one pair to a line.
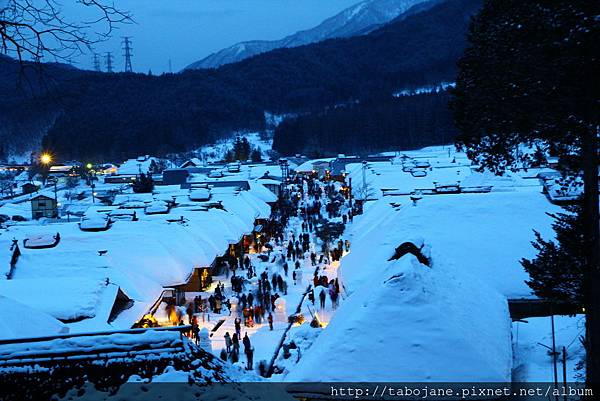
45,158
89,166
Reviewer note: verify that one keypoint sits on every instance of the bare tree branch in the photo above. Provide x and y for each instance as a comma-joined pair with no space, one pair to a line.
32,31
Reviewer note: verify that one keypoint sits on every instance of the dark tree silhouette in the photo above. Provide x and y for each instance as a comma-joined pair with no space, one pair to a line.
529,75
557,272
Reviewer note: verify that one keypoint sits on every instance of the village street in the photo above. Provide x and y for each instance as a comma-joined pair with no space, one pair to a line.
273,282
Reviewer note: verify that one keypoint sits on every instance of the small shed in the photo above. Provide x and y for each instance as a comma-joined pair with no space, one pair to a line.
43,206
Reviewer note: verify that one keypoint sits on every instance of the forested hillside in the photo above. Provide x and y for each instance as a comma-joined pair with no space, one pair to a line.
110,116
406,122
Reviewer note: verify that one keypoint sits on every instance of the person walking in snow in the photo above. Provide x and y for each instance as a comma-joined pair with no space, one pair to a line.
246,342
238,327
322,296
250,358
270,320
190,312
334,299
228,342
284,287
196,332
235,342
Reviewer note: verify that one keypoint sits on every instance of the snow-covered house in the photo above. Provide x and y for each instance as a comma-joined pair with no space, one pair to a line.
193,162
445,322
413,323
141,164
18,320
271,184
61,170
317,166
69,299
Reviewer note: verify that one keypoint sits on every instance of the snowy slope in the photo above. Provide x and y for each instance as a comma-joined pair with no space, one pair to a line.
358,19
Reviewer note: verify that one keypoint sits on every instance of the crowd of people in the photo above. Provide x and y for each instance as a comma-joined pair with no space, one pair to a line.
253,294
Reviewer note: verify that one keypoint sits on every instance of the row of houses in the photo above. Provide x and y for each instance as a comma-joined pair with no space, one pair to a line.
112,278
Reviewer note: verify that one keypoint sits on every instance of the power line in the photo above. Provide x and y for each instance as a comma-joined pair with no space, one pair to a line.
127,53
108,59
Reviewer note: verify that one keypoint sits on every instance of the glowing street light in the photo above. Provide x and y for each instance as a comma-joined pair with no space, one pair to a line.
46,158
89,166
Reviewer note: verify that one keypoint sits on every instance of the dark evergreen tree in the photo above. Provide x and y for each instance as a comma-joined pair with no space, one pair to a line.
379,124
530,75
143,183
256,155
557,272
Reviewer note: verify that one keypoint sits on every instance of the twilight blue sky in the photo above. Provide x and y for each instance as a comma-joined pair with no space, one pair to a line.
187,30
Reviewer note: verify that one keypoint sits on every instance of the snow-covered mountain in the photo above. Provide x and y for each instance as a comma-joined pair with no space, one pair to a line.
359,19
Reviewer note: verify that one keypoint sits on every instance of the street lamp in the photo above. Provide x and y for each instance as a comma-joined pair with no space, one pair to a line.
46,158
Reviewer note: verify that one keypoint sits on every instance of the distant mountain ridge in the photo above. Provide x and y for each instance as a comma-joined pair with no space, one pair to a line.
360,19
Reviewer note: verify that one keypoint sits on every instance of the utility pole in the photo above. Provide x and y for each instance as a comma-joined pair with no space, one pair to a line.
127,53
96,63
108,59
